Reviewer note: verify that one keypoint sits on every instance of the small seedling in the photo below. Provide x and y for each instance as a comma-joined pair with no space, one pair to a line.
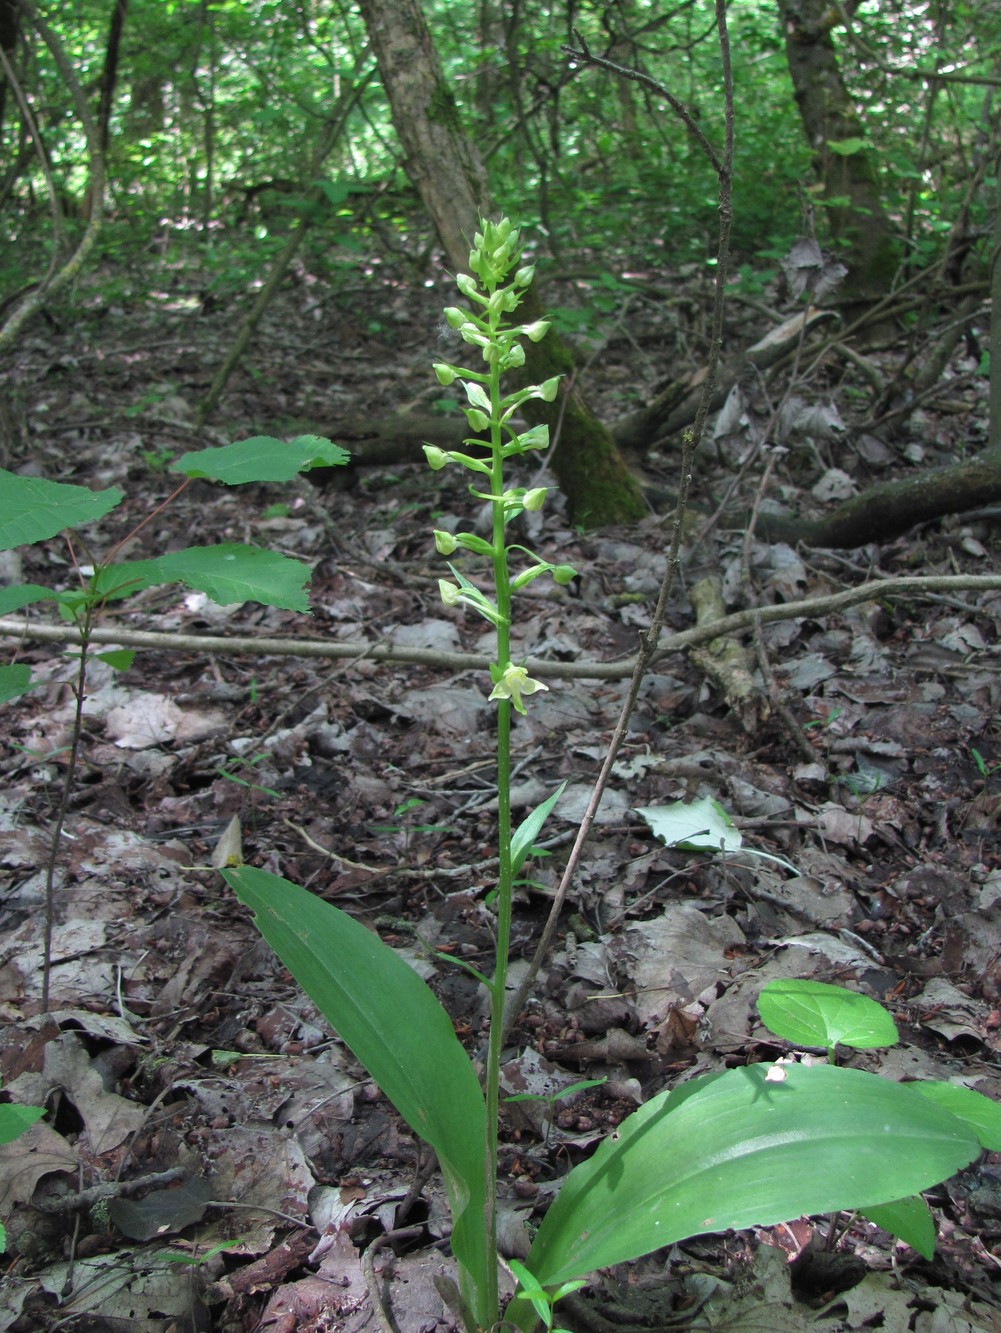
985,770
541,1300
551,1098
231,769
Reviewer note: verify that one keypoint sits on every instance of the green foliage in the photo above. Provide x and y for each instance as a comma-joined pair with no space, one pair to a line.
33,510
812,1013
15,1121
751,1146
262,458
386,1015
215,123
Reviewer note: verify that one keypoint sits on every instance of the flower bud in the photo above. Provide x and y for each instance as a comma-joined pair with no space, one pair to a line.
450,594
478,421
564,574
534,499
445,543
446,374
548,389
524,276
514,358
454,317
437,458
466,285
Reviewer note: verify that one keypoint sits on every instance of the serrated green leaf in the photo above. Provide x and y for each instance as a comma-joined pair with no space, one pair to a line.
262,458
119,659
753,1146
25,594
812,1013
227,574
388,1017
33,509
15,680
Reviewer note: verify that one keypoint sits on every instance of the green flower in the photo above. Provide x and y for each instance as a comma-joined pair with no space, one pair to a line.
534,499
514,683
449,593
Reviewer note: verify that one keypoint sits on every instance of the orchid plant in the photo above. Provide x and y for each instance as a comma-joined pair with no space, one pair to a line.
753,1145
756,1145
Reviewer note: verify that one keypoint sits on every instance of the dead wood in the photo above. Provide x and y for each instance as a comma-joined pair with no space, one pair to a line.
890,508
674,407
727,663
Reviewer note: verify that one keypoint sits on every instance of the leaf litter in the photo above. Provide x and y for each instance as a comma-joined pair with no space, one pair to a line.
180,1056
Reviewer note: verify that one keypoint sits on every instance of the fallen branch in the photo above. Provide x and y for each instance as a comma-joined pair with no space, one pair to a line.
737,623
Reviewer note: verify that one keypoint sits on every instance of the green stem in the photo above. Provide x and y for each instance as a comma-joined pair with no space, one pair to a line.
505,892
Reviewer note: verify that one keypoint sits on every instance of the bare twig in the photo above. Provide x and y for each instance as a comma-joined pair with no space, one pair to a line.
738,622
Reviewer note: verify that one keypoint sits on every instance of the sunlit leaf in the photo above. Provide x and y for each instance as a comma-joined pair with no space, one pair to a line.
753,1146
812,1013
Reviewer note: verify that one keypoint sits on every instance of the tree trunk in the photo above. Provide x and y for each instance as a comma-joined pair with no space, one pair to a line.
829,118
448,172
10,33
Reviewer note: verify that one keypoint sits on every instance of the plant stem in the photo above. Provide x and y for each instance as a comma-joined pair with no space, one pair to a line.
505,890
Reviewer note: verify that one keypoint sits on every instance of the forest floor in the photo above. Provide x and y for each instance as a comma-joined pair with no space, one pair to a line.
177,1051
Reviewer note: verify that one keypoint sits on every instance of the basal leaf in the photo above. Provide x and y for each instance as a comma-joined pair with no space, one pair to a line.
261,458
910,1220
982,1114
388,1017
812,1013
753,1146
33,509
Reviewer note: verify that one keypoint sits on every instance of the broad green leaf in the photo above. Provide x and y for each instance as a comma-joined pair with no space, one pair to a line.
753,1146
388,1017
227,574
694,826
261,458
846,147
982,1114
15,680
812,1013
529,828
119,659
908,1219
14,1120
25,594
33,509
